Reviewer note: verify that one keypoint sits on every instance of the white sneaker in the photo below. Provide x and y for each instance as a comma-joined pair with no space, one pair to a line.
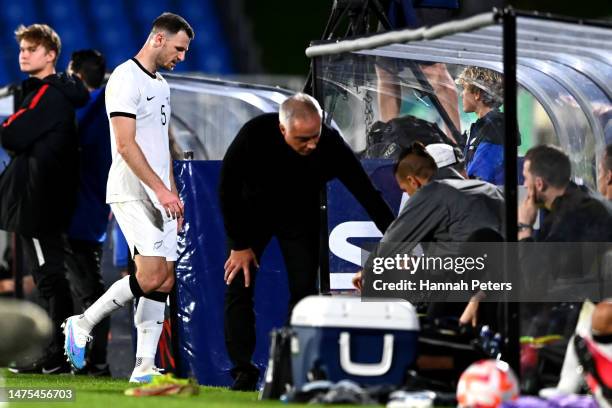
145,376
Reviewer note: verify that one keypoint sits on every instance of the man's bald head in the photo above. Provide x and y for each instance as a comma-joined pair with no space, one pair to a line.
299,107
300,123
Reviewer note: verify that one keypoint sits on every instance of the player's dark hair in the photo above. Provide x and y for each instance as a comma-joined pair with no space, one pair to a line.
172,23
415,161
91,65
550,163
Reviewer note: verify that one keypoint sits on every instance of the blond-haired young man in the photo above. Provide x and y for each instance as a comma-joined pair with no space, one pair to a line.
38,188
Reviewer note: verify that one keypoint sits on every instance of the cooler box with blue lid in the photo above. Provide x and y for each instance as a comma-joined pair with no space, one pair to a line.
341,337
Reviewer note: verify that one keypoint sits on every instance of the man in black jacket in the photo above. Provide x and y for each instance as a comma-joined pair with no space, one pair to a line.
572,213
38,188
271,179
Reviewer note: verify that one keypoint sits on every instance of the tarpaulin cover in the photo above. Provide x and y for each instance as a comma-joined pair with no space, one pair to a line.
199,280
344,210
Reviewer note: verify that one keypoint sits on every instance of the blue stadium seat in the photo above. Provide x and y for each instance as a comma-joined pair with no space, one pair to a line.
144,12
64,10
197,11
107,10
13,14
115,34
73,38
9,55
68,19
209,49
18,12
215,61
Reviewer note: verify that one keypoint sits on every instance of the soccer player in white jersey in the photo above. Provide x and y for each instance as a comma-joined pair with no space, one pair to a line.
141,193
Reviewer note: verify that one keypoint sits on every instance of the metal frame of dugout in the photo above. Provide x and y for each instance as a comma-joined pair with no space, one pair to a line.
560,68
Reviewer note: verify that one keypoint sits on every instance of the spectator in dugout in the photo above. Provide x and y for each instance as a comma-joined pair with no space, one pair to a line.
484,148
594,344
572,214
38,189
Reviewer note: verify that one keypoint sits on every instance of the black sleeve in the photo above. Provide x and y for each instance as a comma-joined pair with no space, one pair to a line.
354,177
233,205
37,116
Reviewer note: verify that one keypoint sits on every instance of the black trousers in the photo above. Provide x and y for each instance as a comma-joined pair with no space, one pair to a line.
87,286
47,255
301,255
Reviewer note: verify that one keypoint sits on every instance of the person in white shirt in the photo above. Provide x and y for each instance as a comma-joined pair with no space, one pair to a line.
141,193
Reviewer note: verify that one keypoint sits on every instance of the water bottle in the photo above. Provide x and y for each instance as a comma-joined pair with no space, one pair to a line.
485,338
495,346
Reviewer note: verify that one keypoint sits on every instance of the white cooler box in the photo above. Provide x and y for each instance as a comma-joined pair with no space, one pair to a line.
340,337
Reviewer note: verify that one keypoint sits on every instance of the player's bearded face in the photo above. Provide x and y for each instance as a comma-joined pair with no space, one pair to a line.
173,50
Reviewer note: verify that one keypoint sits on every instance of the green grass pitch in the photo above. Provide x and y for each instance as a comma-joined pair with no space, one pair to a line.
108,393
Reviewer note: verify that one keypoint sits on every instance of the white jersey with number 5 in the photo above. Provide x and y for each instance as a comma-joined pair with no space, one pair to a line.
134,92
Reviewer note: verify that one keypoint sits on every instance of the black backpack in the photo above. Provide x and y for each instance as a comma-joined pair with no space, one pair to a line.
387,140
278,378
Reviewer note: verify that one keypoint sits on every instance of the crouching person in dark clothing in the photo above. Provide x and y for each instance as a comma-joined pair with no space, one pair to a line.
443,208
38,188
271,179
